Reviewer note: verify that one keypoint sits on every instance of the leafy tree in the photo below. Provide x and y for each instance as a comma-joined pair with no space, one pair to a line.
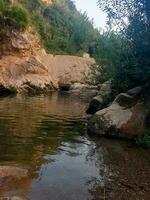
62,28
106,51
71,32
132,18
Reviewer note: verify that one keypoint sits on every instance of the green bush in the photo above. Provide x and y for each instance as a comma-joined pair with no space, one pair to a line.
13,17
1,5
19,17
133,68
62,28
1,8
145,140
106,51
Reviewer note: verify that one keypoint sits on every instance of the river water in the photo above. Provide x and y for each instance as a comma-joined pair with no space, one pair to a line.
45,154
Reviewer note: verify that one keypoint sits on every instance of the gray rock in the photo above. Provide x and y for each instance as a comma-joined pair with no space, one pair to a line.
135,91
101,100
95,105
125,118
124,100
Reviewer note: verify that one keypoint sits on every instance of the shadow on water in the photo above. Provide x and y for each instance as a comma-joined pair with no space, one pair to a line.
45,136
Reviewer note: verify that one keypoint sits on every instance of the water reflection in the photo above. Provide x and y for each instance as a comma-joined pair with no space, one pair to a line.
45,154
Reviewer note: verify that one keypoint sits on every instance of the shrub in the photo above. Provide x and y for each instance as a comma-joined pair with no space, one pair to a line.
14,17
62,28
1,5
1,8
145,140
18,17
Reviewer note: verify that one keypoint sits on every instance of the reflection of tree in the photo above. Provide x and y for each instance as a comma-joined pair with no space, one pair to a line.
99,186
122,169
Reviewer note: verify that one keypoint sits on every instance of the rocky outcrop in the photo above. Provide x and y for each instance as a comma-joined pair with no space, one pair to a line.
70,69
26,67
101,100
26,74
47,2
125,117
19,44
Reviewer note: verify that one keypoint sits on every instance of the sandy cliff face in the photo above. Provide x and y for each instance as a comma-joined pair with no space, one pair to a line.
25,66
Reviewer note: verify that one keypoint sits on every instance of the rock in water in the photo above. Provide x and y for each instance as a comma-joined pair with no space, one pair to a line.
101,100
13,171
125,118
18,198
95,104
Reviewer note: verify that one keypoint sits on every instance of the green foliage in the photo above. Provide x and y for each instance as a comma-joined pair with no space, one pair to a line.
138,32
133,66
1,6
13,17
62,28
71,32
13,90
16,17
145,140
106,52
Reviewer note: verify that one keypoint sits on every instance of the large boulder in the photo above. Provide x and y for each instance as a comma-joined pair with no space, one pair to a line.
70,69
98,102
26,74
125,118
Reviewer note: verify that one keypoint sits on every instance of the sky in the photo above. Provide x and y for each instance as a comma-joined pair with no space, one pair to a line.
93,11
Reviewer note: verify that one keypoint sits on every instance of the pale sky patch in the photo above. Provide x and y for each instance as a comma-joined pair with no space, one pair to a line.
93,11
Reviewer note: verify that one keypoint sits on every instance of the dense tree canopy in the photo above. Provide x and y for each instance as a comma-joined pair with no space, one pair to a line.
132,17
62,28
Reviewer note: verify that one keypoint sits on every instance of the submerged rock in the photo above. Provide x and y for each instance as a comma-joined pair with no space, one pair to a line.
18,198
13,171
125,118
101,100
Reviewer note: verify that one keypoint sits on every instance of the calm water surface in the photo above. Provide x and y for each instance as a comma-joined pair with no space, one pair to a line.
46,136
